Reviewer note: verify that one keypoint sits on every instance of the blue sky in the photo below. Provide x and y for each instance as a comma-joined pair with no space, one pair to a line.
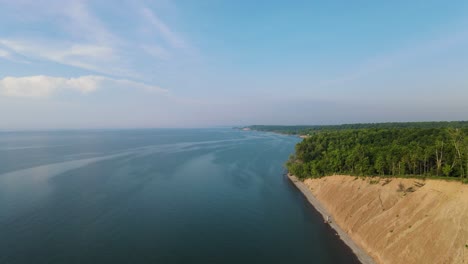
187,63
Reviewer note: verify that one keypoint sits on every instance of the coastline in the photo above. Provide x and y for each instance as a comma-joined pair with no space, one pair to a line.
358,251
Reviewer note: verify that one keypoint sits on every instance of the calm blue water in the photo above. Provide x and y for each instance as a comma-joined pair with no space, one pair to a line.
156,196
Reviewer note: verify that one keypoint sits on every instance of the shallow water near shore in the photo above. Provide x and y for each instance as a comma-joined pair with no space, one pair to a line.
156,196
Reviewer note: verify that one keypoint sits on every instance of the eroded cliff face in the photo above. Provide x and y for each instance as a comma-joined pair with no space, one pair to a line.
399,220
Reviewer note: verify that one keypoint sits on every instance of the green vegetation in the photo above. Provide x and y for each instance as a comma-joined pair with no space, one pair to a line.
429,149
305,130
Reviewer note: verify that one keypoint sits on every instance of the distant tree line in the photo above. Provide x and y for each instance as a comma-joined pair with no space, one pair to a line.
305,130
427,149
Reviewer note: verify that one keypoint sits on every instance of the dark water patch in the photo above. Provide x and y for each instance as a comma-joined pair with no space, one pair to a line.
178,196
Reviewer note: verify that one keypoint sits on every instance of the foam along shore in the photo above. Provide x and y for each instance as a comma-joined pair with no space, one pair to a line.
360,253
395,220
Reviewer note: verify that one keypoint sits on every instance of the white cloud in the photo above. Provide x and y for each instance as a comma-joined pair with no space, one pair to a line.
43,86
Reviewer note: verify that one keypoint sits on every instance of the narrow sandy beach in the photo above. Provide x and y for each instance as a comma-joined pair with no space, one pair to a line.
360,253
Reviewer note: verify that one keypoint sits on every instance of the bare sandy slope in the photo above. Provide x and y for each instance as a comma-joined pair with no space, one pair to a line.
428,225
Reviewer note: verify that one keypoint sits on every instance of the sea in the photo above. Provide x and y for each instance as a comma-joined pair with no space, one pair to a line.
156,196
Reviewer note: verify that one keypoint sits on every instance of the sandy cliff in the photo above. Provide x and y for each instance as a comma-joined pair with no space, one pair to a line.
399,220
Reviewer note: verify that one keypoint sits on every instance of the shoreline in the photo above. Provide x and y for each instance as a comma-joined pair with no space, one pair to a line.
363,256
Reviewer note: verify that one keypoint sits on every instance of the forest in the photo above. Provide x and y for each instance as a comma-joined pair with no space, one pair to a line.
304,129
383,151
437,149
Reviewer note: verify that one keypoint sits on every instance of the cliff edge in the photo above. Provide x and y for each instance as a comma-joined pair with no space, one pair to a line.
399,220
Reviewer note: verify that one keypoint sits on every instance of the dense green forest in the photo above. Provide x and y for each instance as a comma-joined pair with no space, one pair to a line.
304,130
429,149
439,151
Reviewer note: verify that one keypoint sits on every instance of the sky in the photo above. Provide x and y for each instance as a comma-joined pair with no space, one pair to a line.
205,63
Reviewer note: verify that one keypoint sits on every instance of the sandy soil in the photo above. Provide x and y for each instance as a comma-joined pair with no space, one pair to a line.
358,251
399,220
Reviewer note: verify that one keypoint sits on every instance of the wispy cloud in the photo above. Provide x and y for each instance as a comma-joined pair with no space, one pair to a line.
4,54
72,16
169,36
84,43
43,86
85,24
7,55
98,58
84,40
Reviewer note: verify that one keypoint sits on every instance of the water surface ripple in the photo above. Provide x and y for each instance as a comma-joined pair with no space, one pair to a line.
156,196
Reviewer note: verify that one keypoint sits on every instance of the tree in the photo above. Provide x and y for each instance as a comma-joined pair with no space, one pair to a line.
380,164
439,152
456,136
447,169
